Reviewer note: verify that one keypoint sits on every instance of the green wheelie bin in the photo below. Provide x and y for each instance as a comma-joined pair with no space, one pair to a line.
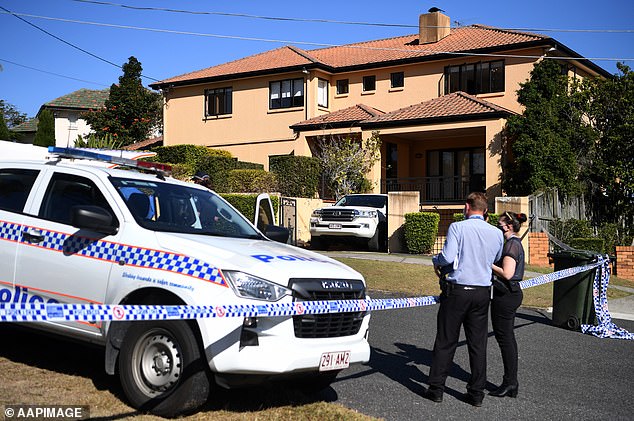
573,303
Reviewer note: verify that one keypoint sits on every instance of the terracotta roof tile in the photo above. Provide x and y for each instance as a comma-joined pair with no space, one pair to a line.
455,105
145,144
463,39
28,126
81,99
287,56
345,117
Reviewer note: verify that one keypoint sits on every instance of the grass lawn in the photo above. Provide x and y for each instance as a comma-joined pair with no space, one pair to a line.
411,280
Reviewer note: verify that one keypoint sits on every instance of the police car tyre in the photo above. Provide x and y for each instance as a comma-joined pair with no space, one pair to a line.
161,368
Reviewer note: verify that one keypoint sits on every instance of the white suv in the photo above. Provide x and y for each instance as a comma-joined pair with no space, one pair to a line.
72,232
355,216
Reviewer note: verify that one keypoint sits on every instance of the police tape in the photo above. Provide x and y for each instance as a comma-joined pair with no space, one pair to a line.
56,312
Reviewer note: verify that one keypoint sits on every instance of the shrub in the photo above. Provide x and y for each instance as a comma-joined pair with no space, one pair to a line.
252,181
492,219
182,171
298,176
186,154
591,244
245,203
421,229
218,168
566,230
241,165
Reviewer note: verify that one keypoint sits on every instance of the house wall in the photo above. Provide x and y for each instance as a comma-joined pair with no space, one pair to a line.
253,132
68,126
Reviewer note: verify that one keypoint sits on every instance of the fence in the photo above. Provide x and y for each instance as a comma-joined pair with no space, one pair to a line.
547,206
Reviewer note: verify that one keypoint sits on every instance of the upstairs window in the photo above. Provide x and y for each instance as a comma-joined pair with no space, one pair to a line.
475,78
397,80
342,87
286,94
369,83
322,93
218,101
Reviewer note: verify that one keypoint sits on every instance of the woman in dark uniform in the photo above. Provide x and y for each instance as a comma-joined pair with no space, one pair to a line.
507,297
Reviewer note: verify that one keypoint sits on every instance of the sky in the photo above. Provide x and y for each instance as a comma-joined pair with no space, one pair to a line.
87,39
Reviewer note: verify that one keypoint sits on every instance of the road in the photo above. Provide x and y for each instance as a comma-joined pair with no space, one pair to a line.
563,374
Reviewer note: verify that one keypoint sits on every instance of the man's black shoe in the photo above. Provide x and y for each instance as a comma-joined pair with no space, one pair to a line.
471,399
433,394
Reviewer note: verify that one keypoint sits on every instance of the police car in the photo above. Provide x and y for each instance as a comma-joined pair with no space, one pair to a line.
77,231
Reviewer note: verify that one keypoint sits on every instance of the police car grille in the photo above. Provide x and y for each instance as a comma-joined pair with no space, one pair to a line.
337,215
329,325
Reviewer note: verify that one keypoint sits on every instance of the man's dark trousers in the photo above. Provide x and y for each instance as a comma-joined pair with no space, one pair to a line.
467,306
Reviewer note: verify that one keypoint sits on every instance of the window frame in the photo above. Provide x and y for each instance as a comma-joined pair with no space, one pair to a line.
483,77
343,86
369,79
224,93
292,100
397,76
321,95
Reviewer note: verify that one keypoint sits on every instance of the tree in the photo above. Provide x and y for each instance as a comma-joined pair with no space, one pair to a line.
4,130
548,142
12,116
45,134
610,175
345,161
131,112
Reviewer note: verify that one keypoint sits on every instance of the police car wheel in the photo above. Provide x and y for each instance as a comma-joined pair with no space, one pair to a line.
161,368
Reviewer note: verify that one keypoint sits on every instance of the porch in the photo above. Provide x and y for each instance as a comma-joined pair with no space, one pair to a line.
436,189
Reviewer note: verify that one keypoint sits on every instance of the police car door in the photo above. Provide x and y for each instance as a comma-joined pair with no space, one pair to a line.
16,183
58,262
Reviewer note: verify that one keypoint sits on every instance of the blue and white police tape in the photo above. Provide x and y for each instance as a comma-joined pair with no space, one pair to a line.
53,312
605,328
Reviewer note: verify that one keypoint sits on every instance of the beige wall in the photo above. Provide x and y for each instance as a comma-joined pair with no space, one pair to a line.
68,126
398,204
517,205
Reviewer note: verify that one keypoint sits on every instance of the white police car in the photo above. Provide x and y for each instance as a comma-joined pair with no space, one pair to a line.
74,232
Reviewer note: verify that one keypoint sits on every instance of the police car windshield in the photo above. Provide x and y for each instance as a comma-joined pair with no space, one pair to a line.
167,207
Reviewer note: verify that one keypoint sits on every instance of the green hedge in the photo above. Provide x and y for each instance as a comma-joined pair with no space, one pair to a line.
298,176
245,203
241,165
591,244
218,168
421,229
186,154
567,229
252,181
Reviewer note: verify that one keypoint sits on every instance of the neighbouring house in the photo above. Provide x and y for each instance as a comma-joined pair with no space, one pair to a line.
439,99
67,111
26,131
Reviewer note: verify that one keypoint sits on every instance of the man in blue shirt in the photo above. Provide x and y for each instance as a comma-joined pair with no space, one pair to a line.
470,249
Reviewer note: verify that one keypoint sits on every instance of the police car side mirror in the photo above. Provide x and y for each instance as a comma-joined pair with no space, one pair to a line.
277,233
93,218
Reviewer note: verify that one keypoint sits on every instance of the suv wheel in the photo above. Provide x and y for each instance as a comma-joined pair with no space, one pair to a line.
161,368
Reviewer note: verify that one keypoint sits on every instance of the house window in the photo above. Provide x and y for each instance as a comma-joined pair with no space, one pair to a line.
397,80
322,93
218,101
454,173
475,78
286,93
342,86
369,83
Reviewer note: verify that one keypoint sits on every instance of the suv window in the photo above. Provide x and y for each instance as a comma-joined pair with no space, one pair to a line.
364,200
66,191
15,185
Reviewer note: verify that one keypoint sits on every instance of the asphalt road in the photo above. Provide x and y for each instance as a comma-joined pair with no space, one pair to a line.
563,375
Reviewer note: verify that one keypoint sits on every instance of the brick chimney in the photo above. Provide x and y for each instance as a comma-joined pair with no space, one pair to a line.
432,27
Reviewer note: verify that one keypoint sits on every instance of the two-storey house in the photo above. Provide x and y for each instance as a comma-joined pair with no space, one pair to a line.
439,99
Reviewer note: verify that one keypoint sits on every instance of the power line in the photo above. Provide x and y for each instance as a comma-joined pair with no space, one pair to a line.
51,73
278,18
18,16
315,44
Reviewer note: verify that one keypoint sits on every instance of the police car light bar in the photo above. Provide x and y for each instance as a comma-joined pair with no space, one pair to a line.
75,153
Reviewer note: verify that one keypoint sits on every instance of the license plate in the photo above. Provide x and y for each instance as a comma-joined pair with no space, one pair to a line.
334,360
334,226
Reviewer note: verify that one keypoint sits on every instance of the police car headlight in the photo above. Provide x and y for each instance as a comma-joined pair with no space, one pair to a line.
365,213
249,286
